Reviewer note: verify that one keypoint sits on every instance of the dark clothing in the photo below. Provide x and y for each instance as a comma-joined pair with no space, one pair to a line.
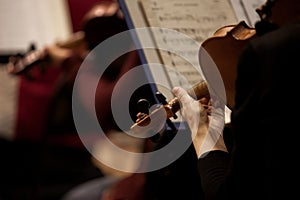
178,180
262,162
42,171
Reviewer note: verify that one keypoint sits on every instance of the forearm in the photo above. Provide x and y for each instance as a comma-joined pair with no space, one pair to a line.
211,141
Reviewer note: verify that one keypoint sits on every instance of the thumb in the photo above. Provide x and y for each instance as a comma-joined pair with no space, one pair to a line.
182,95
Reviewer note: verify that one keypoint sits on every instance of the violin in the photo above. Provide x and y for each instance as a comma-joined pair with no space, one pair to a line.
224,48
20,64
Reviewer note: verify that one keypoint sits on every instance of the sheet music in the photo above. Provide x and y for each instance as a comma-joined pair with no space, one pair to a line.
198,19
239,11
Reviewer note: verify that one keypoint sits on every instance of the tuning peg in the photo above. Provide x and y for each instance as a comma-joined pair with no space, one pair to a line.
143,106
161,98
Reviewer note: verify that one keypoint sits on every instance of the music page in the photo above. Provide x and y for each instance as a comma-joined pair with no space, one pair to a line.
190,23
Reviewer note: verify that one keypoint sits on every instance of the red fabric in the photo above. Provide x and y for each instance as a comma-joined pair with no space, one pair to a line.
129,188
34,97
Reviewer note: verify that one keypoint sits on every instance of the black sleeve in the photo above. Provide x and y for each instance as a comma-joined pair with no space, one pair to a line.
213,168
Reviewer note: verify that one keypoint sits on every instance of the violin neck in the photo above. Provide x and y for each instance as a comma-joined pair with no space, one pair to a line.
197,92
19,65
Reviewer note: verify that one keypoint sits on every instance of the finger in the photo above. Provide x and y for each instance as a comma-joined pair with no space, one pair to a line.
182,95
204,101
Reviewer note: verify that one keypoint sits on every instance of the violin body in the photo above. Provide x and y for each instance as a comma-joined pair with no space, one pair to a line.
224,49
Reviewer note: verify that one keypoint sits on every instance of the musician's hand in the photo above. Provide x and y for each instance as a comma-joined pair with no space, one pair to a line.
206,123
194,112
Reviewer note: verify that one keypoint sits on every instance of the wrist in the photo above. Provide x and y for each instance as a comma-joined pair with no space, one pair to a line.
213,139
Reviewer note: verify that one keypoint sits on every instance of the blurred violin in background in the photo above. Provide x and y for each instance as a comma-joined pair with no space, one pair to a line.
102,14
21,63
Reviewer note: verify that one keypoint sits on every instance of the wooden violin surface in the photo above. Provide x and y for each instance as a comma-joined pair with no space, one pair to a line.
224,49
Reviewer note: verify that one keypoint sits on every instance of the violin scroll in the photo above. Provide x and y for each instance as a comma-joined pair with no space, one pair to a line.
265,13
